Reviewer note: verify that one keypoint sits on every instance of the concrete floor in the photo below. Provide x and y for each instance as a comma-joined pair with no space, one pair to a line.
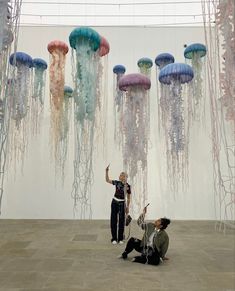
59,255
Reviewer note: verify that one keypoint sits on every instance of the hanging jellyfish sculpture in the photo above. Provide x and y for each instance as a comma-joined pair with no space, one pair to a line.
64,130
20,89
9,17
103,51
221,76
225,176
37,100
58,51
118,72
164,59
102,98
161,61
176,127
135,132
86,42
195,52
226,19
6,38
145,65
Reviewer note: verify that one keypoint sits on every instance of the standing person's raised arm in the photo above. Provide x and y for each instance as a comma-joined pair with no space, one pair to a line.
107,175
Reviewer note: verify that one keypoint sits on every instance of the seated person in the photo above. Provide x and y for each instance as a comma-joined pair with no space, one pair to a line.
154,244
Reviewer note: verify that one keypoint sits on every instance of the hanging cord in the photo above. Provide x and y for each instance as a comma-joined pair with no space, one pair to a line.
125,198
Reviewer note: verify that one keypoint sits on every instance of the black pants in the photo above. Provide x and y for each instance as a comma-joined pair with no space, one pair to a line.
148,255
117,221
133,244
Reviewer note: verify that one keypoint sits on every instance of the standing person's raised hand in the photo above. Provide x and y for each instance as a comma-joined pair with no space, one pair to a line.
107,168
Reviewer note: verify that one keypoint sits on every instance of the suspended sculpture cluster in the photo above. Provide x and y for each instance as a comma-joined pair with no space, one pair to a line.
25,90
180,103
132,115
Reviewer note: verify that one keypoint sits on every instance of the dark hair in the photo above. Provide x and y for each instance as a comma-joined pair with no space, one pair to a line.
164,222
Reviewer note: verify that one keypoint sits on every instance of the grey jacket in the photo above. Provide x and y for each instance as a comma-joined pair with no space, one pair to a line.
160,240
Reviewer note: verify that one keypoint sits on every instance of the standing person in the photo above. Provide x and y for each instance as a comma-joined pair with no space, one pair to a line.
119,206
154,243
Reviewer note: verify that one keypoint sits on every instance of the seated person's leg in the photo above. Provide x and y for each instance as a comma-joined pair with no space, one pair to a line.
140,259
133,243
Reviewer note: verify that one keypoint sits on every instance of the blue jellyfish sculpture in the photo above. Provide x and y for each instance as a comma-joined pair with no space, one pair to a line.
195,53
176,122
161,61
19,103
37,100
19,88
40,67
85,43
164,59
118,72
145,65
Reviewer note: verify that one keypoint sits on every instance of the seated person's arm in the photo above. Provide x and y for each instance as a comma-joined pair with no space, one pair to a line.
140,220
164,249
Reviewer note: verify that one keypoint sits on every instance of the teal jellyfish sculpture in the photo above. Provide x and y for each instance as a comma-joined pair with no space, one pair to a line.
85,43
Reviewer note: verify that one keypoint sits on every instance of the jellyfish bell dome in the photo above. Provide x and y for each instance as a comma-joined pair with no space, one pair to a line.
119,69
85,34
39,64
195,48
20,58
164,59
68,92
176,71
104,47
145,63
134,80
57,45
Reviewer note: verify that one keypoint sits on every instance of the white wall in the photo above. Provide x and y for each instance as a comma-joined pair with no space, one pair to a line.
36,194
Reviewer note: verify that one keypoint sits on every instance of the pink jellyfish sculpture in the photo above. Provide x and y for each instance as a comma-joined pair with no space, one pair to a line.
136,132
58,51
104,47
102,96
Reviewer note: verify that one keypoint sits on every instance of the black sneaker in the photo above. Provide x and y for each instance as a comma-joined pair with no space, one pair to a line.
124,255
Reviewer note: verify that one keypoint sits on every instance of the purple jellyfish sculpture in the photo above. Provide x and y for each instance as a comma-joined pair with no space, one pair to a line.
136,132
